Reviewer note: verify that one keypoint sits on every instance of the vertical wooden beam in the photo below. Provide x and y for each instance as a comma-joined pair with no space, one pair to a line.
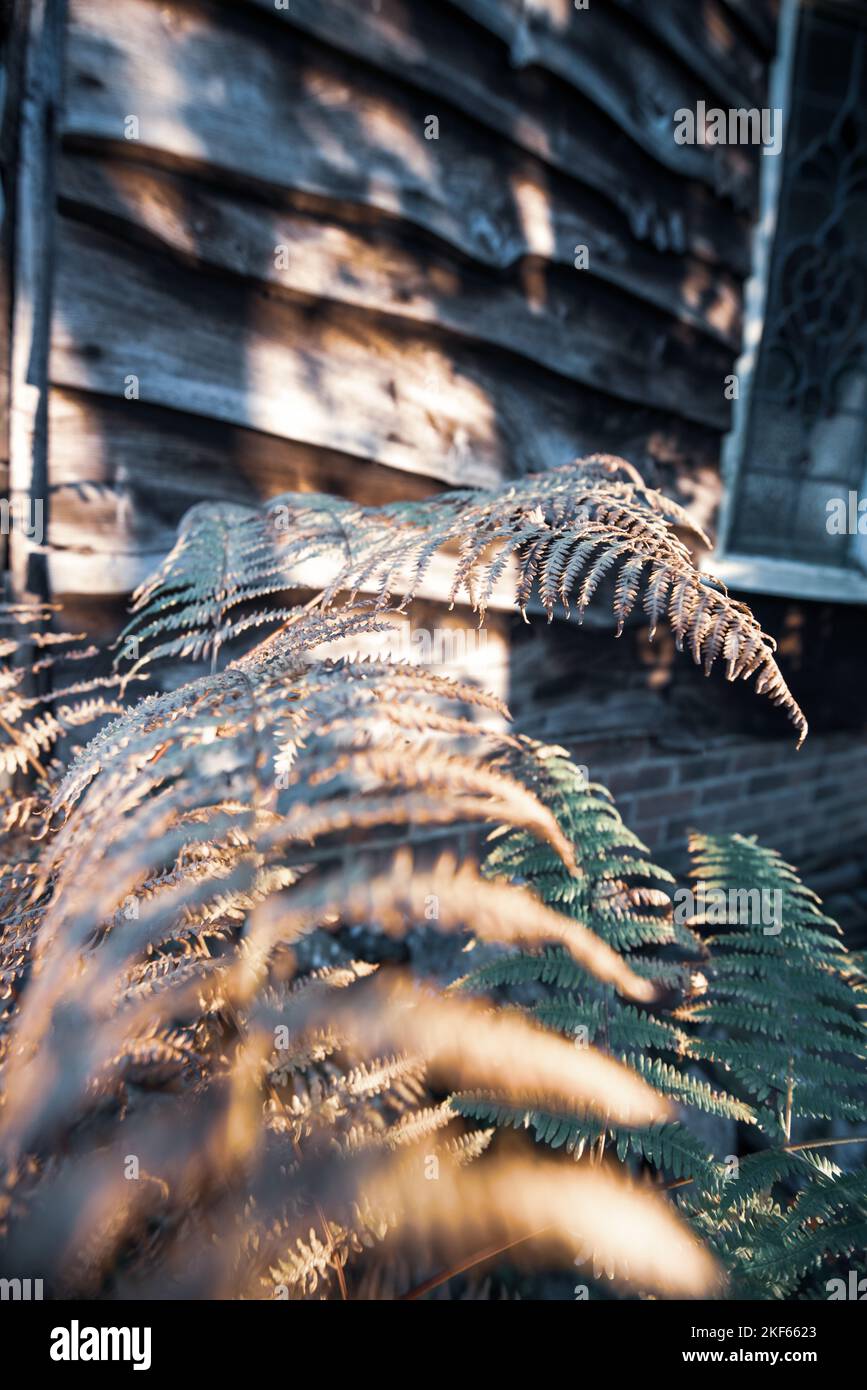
32,283
13,28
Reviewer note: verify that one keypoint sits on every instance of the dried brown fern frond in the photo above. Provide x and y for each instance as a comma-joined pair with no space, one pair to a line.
223,558
449,1212
461,1042
144,1003
19,812
548,539
453,896
298,742
280,1125
472,1046
235,1187
28,735
183,797
624,1227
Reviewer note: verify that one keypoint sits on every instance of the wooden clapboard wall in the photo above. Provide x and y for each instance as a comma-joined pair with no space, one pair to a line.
261,275
310,294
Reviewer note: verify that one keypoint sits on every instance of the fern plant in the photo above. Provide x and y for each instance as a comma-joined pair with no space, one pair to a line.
551,537
192,1053
770,1007
783,1015
29,653
223,810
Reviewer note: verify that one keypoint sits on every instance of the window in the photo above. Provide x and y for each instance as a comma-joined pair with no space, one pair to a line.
799,435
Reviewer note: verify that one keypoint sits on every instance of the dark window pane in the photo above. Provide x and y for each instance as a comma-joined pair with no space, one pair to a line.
806,431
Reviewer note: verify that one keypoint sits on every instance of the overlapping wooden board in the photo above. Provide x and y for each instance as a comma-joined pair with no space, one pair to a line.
298,289
706,38
559,319
441,51
327,252
123,473
759,19
298,117
639,88
323,374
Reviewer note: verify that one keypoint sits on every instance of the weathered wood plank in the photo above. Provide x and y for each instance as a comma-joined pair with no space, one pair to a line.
32,285
704,37
123,473
760,18
381,267
368,356
13,37
439,51
231,352
566,321
122,478
323,374
640,91
297,118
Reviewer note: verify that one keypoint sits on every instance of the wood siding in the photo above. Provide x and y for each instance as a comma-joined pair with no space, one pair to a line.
313,296
309,293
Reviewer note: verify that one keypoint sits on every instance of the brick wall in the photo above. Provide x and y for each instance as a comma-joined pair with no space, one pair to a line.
806,804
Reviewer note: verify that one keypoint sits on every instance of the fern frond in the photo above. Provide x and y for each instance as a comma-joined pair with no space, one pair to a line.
781,1012
567,527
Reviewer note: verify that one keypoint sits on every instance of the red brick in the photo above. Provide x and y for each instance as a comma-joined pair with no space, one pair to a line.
666,803
702,769
760,756
723,792
769,781
649,777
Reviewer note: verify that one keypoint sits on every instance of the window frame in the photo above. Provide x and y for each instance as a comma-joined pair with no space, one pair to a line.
763,574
